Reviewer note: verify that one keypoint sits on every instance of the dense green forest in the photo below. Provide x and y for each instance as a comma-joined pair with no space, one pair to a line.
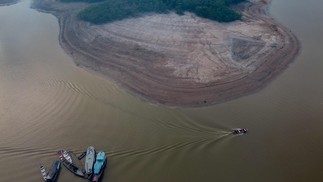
87,1
111,10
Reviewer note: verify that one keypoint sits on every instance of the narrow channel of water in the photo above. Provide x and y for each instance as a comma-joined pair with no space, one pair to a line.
47,103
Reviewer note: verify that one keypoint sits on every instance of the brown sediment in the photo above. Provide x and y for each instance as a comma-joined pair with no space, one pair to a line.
180,60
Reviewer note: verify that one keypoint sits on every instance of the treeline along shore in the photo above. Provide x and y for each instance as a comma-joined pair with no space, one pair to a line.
178,58
111,10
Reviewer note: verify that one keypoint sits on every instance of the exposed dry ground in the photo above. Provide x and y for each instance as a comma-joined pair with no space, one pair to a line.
180,60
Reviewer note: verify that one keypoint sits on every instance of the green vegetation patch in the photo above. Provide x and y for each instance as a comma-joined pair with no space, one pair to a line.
86,1
112,10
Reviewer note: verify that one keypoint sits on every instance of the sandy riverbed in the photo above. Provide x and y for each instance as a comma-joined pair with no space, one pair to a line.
180,60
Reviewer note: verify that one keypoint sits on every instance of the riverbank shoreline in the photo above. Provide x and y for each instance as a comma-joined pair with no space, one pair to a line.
196,71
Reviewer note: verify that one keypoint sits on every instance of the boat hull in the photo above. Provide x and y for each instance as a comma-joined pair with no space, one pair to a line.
97,177
99,166
89,160
64,156
74,169
53,172
239,131
43,172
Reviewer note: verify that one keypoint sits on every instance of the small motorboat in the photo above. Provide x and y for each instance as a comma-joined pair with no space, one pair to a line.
66,158
81,156
89,161
239,131
43,172
65,155
53,172
99,166
74,169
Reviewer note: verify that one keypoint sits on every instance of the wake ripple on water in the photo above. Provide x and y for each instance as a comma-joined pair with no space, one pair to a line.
26,151
77,88
198,144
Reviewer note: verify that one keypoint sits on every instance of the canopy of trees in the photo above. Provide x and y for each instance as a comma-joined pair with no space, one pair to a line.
111,10
87,1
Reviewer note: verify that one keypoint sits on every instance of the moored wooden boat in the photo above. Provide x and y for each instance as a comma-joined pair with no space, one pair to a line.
53,172
65,155
99,166
89,160
43,172
66,158
81,156
74,169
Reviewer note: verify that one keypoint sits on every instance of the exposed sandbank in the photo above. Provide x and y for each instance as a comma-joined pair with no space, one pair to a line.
180,60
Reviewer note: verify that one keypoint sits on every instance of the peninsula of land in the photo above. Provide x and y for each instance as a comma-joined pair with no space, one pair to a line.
179,60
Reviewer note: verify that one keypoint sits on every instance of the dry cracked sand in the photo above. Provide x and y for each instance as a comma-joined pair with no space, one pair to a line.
180,60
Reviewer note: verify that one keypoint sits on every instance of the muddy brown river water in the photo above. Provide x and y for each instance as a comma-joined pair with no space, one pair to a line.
47,103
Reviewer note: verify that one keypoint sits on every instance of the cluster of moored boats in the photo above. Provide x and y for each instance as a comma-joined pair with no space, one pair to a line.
93,166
